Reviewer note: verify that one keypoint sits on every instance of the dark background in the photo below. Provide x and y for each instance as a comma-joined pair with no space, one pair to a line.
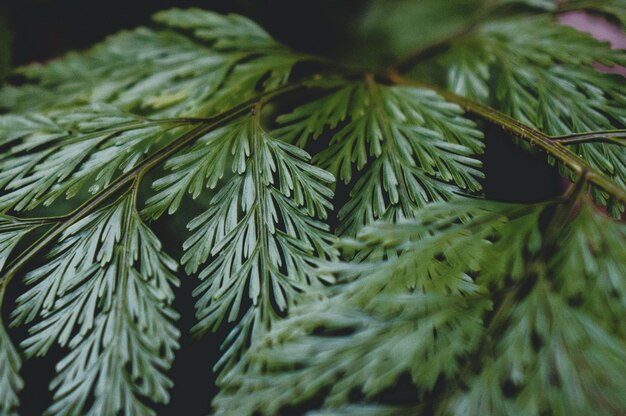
44,29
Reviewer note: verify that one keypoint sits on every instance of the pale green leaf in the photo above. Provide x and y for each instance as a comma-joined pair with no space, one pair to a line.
106,296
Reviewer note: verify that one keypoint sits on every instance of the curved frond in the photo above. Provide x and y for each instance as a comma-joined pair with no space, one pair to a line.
543,74
440,288
64,151
456,304
163,72
410,145
261,234
105,295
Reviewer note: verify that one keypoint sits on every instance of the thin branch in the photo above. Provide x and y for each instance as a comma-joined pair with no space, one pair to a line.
530,135
617,137
204,127
37,222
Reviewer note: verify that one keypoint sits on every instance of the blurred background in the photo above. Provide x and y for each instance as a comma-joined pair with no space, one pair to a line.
363,33
43,29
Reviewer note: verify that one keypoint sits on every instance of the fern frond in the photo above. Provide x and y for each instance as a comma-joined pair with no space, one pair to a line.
261,233
571,347
62,152
520,51
105,294
412,146
10,381
12,230
378,350
475,306
132,69
163,72
544,335
591,249
542,74
225,32
205,161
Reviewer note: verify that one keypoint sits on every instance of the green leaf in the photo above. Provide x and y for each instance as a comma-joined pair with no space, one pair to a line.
411,146
462,306
61,152
557,358
12,230
226,32
536,351
542,74
402,26
379,323
261,234
105,295
165,73
10,381
592,250
377,349
523,54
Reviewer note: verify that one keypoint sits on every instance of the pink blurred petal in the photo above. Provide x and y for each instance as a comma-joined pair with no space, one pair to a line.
601,29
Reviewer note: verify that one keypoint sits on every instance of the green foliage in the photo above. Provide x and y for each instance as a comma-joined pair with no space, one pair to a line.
421,25
163,72
526,344
542,74
527,66
262,244
10,381
468,306
59,153
226,32
12,230
400,26
408,143
105,294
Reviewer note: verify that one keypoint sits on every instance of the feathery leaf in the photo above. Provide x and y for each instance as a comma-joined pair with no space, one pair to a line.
105,295
261,233
550,356
61,152
411,146
162,72
542,74
10,381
